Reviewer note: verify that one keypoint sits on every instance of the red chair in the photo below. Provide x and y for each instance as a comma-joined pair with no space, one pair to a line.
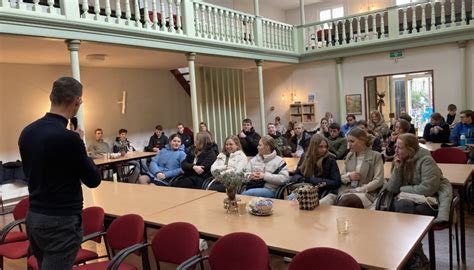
173,243
449,155
19,214
123,233
323,258
17,245
238,250
92,227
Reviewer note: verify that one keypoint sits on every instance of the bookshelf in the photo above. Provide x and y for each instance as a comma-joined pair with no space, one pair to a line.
303,112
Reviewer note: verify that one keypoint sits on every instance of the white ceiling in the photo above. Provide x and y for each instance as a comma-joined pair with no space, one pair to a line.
47,51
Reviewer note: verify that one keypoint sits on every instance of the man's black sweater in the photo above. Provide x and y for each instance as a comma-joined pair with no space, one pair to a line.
55,162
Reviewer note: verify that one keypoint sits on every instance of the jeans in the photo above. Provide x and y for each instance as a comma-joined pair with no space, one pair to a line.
54,240
260,192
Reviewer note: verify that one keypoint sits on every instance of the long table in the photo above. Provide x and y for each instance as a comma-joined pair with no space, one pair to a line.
119,199
128,156
376,239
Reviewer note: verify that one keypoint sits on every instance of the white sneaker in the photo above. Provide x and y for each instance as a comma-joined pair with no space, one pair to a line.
287,259
203,244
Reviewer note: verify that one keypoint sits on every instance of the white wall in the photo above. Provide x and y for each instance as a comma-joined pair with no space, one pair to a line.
320,77
153,97
351,7
247,6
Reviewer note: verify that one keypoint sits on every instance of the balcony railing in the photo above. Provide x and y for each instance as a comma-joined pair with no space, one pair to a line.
392,23
211,24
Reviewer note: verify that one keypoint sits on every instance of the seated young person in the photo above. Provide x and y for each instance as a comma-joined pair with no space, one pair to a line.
198,162
324,127
299,141
451,118
318,166
231,159
157,141
337,141
377,125
248,138
266,167
401,127
284,148
98,147
437,131
415,171
362,176
376,142
465,127
166,164
123,145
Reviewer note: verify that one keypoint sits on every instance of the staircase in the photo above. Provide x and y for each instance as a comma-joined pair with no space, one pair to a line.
182,76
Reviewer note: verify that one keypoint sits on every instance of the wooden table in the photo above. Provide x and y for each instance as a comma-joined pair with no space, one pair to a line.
376,239
128,156
458,175
435,146
118,199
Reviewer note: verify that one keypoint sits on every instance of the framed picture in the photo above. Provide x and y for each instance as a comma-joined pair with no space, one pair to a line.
354,104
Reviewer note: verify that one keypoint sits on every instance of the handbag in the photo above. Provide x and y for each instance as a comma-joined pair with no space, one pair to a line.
308,195
260,184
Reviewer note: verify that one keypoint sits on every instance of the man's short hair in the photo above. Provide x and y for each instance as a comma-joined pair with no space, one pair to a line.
98,129
179,124
270,124
452,107
159,127
122,130
436,116
65,91
350,116
247,120
361,123
468,113
335,126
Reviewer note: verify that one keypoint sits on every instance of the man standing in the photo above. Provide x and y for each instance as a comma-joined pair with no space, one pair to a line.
249,138
55,162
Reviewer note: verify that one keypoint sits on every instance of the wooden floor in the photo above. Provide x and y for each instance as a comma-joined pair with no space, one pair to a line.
441,238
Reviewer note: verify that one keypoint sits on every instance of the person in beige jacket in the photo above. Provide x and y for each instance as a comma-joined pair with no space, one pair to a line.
362,176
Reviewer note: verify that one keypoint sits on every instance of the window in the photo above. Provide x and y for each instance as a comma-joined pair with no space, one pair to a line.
332,13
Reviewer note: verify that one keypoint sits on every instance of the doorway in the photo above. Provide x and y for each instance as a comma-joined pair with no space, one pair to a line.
394,94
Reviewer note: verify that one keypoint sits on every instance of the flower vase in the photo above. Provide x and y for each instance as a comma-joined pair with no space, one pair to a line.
230,203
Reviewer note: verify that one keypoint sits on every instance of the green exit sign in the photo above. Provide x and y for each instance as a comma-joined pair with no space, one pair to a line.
396,54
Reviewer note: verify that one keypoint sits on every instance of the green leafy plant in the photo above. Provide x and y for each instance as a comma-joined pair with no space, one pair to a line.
231,180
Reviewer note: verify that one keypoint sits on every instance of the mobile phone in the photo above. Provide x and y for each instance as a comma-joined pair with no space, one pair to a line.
74,122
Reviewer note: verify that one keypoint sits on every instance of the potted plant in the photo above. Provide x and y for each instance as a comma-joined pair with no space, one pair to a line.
232,182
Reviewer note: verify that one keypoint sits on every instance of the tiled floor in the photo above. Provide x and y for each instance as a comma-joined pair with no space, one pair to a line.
441,238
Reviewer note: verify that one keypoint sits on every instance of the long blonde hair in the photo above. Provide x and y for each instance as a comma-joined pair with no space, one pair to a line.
236,141
313,162
410,142
203,140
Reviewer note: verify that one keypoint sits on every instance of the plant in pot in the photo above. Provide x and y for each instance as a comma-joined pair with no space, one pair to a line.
232,182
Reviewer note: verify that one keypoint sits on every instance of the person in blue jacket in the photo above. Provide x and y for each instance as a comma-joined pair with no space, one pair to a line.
166,164
318,166
465,127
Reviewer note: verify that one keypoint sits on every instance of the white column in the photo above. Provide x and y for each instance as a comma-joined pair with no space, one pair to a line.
302,19
192,82
465,95
340,91
261,96
256,7
73,47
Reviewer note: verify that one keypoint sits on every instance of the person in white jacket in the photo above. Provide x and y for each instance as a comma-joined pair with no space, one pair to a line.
266,167
231,159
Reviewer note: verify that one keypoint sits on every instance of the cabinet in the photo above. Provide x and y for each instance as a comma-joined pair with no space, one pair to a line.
304,113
